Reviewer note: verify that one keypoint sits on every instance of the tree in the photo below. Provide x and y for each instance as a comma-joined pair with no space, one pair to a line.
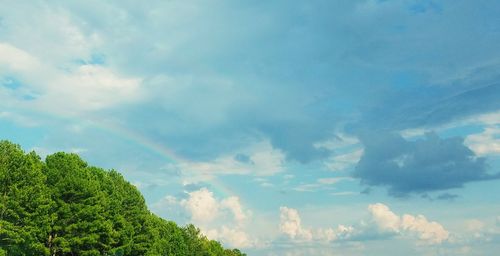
79,224
64,207
24,202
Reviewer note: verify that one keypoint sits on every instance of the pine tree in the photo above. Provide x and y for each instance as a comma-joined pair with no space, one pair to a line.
24,202
64,207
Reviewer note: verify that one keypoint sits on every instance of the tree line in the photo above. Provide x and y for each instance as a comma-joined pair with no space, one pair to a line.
63,206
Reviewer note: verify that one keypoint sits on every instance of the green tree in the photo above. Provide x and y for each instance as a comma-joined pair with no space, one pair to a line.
24,202
64,207
78,224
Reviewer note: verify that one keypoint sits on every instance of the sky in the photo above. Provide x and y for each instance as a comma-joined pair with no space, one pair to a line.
360,127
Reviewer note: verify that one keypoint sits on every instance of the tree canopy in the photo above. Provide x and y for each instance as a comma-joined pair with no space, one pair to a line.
63,206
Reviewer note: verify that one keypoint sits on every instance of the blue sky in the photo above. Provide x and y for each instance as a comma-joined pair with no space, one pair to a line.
279,127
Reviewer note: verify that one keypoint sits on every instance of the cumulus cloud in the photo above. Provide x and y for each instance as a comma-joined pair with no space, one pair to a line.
233,236
223,219
430,232
233,204
204,207
382,223
385,218
291,226
428,164
201,205
426,231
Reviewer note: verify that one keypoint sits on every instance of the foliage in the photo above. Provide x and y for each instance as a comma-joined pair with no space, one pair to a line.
62,206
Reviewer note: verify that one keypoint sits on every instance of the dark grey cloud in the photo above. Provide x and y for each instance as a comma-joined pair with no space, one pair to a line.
420,166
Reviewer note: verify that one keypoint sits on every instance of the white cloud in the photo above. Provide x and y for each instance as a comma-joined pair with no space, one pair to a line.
58,37
201,205
262,160
92,87
492,118
68,91
308,187
388,221
346,151
382,219
344,161
339,142
233,203
332,180
321,183
233,236
327,234
52,64
429,232
220,219
483,143
486,142
291,226
13,59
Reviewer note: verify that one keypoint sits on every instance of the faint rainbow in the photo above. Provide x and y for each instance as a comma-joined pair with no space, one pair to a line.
136,138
